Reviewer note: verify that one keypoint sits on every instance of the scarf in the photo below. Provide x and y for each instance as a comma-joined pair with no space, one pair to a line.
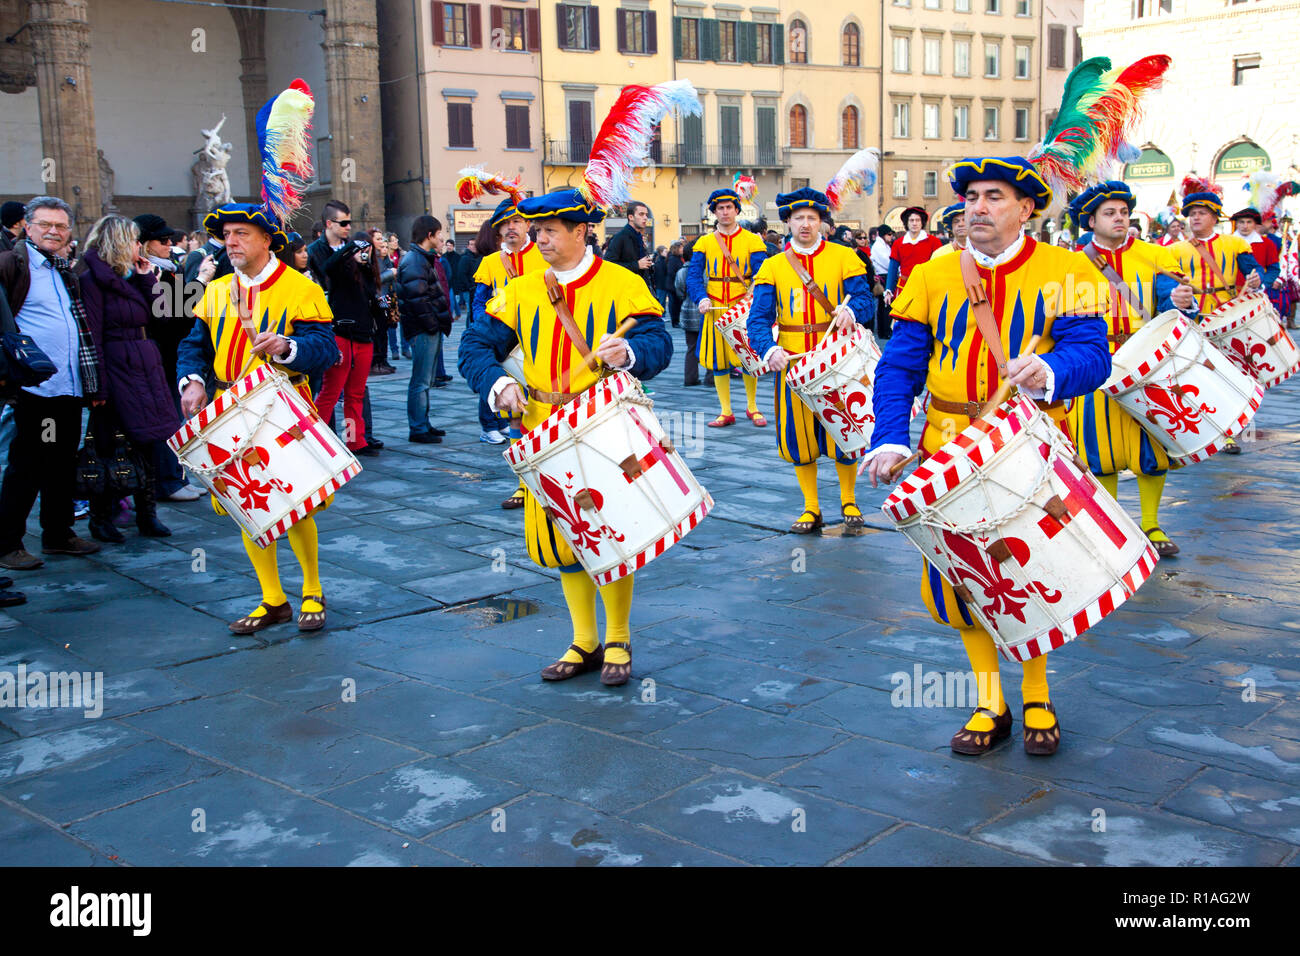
87,354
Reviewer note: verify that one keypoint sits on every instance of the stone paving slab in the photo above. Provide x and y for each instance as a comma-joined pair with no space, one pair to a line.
415,730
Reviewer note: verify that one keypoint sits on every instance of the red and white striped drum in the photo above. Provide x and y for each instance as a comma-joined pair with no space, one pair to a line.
1026,536
608,476
264,454
731,325
1186,392
1247,330
834,381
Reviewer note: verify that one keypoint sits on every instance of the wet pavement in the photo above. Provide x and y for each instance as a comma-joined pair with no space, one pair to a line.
759,727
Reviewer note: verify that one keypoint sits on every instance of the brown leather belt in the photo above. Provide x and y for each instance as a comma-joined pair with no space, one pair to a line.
973,409
1119,338
816,327
553,398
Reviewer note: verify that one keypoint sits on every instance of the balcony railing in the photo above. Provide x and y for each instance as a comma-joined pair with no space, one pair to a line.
723,156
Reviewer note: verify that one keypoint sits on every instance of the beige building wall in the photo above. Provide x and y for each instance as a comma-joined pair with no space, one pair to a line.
1234,85
939,83
825,85
594,77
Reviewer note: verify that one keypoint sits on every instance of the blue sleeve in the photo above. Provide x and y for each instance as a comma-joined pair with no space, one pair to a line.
651,344
1246,264
477,309
891,280
696,287
195,354
1271,274
1080,357
863,303
1165,286
756,262
758,324
316,348
900,377
483,347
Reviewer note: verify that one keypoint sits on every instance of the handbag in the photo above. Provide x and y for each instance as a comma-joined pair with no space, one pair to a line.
24,364
120,473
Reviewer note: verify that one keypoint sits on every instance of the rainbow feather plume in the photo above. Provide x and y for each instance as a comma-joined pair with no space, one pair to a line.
283,125
856,176
475,181
623,142
1099,111
1199,184
745,186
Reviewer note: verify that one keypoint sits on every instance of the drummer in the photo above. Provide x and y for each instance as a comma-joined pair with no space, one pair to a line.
840,296
1033,288
516,255
294,334
953,220
722,267
1108,438
599,296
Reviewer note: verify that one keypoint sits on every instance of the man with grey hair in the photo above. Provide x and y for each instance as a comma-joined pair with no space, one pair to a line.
45,299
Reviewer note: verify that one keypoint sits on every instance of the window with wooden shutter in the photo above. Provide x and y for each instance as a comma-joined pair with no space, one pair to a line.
579,131
1056,47
517,135
533,29
460,125
709,40
798,127
746,42
849,128
729,127
593,28
778,44
439,38
496,28
562,25
765,135
620,28
851,53
651,32
1078,47
474,14
693,140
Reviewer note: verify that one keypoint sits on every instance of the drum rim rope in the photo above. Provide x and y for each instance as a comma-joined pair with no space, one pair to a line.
240,403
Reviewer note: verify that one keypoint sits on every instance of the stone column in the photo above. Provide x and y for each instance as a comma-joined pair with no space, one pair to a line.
60,39
250,26
352,75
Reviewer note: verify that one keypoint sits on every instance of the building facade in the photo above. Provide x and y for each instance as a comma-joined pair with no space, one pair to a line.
1230,101
960,78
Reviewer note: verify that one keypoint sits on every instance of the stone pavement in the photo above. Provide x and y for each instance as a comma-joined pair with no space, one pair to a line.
415,730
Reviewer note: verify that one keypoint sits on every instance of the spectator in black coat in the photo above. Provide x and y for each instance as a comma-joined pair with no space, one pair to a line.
628,248
425,308
13,227
675,265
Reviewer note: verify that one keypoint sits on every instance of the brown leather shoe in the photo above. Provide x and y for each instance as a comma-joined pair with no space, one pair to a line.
978,742
616,675
563,670
21,560
1041,743
274,615
74,545
312,620
514,501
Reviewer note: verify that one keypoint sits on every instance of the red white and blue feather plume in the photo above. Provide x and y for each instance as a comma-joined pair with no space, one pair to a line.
474,181
745,187
623,142
856,176
283,125
1267,189
1099,111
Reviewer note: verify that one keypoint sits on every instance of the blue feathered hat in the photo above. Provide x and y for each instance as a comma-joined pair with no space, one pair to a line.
1016,170
1090,200
949,213
724,194
804,198
247,212
566,204
506,210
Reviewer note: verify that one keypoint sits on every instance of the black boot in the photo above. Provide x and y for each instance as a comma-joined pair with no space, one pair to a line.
146,511
101,520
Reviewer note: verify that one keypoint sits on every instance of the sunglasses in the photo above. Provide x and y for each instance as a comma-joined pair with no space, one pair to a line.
341,222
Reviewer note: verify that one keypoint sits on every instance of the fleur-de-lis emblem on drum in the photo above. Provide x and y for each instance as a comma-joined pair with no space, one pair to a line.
253,493
1171,404
972,565
567,510
849,409
1247,357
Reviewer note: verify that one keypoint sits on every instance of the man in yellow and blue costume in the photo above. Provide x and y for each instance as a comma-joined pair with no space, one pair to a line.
723,264
953,220
600,296
1033,289
802,322
294,333
1108,438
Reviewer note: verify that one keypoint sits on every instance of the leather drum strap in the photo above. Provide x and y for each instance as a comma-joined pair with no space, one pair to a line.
510,269
556,295
809,286
979,304
1208,262
730,267
1117,283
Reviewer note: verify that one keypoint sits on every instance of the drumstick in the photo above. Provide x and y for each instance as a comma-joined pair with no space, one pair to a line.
1000,396
626,326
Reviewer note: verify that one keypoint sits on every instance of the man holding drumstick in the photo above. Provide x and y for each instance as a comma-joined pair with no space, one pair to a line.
561,317
1038,295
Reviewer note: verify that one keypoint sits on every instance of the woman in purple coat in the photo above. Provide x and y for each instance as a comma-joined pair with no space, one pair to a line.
118,288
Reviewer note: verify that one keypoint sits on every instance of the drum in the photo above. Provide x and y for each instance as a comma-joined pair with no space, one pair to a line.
606,473
1026,536
264,454
731,325
1185,391
834,381
514,365
1247,330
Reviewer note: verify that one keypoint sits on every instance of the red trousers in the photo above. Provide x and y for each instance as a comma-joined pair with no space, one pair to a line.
348,377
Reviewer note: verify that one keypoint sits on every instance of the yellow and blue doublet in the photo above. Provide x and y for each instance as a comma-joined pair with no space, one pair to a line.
1231,253
720,269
